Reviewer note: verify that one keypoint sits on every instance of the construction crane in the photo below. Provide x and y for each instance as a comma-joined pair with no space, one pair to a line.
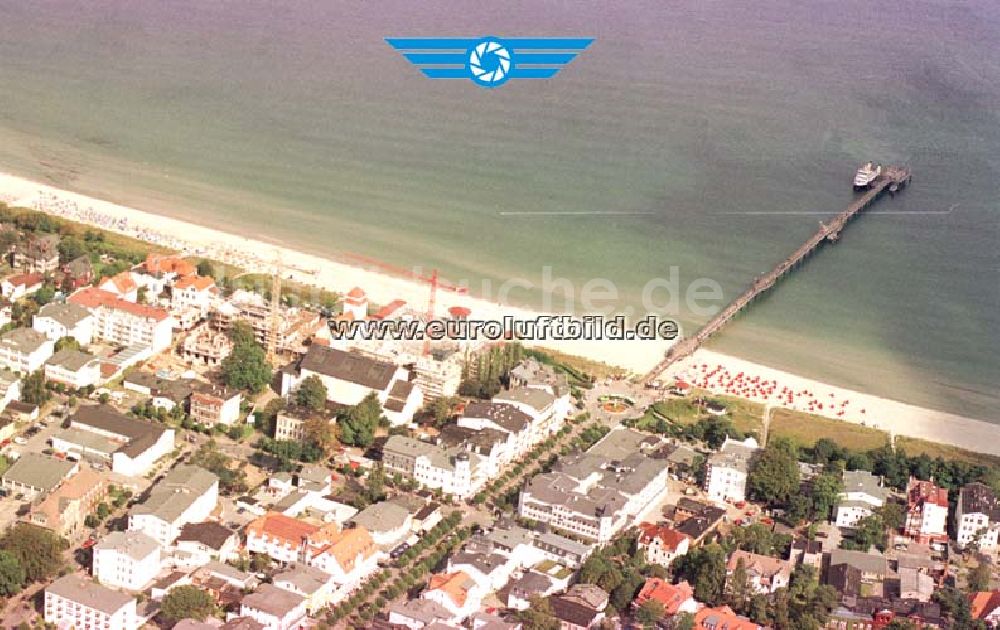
430,309
274,317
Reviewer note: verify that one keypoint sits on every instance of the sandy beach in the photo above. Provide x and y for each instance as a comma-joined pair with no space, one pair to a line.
716,372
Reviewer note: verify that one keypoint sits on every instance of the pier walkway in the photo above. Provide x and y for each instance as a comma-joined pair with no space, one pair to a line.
892,179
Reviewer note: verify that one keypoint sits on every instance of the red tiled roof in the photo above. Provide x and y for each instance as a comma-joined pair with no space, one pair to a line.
281,527
672,596
455,585
722,617
92,297
357,293
389,309
26,279
122,282
669,538
156,263
202,283
459,312
983,603
926,492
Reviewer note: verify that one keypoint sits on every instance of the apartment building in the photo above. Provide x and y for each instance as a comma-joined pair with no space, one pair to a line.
126,560
56,320
453,470
275,608
594,495
726,477
125,323
76,602
193,292
977,517
662,544
212,405
863,493
64,510
73,368
926,512
35,474
187,494
24,350
131,445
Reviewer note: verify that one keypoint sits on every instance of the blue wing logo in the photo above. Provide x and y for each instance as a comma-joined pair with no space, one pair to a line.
489,61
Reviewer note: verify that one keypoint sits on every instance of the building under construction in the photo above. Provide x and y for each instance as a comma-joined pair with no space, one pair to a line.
294,326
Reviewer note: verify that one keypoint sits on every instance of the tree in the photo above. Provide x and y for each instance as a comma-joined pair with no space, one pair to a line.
246,367
38,550
204,268
44,295
979,577
242,333
70,248
319,430
67,343
684,621
187,602
650,612
231,480
33,389
12,575
826,491
538,615
357,426
775,476
311,393
375,484
441,409
705,569
738,587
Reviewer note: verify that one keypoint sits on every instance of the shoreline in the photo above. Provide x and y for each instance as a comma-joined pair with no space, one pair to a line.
714,371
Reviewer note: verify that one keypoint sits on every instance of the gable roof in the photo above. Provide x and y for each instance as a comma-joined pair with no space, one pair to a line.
89,593
200,283
134,544
455,585
285,528
983,603
39,471
158,263
176,492
670,596
344,545
272,600
348,366
209,533
669,538
92,297
66,313
121,282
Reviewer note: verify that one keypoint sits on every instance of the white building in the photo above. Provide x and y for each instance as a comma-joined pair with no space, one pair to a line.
73,368
926,512
125,323
131,445
387,522
977,517
662,544
280,537
21,284
349,378
193,292
204,542
25,350
76,602
128,560
726,479
863,493
596,494
187,494
10,388
548,410
523,430
454,471
123,285
275,608
764,573
456,592
347,555
56,320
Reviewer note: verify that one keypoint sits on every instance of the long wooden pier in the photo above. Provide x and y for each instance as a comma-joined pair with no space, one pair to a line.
891,179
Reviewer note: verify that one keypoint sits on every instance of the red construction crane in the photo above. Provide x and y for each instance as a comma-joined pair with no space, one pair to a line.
430,309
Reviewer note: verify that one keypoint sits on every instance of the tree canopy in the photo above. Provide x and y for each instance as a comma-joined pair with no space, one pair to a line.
775,476
38,550
12,576
358,424
246,367
311,393
187,602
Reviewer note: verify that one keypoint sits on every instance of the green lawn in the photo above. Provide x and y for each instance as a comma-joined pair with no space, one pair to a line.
916,446
805,429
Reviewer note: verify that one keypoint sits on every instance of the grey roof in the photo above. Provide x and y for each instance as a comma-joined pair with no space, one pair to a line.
407,446
348,366
531,583
87,439
70,359
176,492
89,593
734,455
227,572
568,546
140,434
978,498
485,563
39,471
380,517
504,415
866,562
134,544
68,314
481,441
303,577
209,533
537,399
24,340
270,599
8,378
425,610
619,443
509,537
864,481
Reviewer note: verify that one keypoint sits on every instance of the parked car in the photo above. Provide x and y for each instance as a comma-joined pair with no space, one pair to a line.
20,440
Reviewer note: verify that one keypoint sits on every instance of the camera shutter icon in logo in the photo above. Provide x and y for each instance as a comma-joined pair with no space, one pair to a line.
490,63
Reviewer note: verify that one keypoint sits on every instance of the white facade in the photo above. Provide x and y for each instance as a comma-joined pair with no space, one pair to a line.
977,517
726,478
187,494
88,374
73,602
275,608
125,323
193,293
25,350
138,465
127,560
56,328
861,496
